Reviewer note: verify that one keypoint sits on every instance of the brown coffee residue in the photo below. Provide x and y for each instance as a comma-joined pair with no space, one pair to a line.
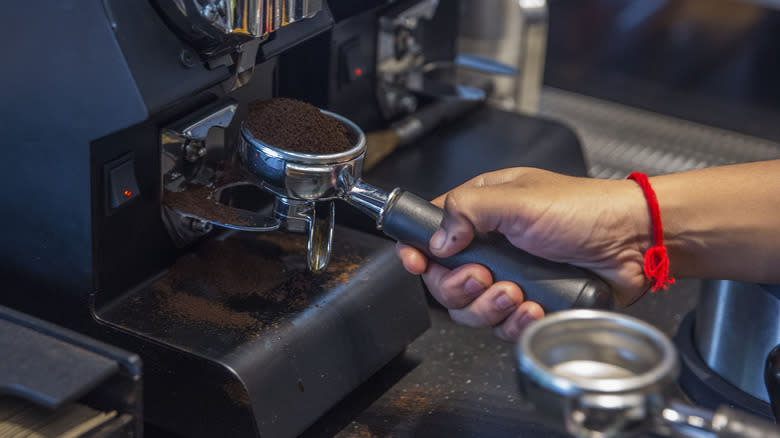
194,309
343,269
246,284
412,402
236,393
201,201
297,126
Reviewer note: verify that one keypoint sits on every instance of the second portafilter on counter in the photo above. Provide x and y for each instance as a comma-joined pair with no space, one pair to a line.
596,374
306,185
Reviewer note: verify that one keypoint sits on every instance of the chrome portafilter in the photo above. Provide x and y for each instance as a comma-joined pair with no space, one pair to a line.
602,374
306,186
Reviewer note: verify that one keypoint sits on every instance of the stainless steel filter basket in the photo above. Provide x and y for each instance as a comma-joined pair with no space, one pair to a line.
601,374
595,371
305,185
299,176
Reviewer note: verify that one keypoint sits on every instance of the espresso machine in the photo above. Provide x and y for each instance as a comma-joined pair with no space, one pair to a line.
113,109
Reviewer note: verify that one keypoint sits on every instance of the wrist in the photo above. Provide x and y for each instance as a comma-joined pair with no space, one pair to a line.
639,229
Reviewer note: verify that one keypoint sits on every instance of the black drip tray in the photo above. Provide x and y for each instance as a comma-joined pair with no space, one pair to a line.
240,339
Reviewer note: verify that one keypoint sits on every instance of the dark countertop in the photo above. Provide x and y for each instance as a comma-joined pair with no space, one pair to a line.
456,381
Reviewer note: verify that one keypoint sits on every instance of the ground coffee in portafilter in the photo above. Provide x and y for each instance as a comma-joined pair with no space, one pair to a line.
297,126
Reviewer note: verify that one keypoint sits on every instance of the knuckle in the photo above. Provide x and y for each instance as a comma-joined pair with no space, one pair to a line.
456,299
453,200
447,298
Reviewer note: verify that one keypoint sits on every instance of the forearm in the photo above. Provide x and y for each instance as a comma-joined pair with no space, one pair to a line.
723,222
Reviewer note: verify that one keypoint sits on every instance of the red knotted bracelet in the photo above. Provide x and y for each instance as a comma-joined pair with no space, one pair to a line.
656,263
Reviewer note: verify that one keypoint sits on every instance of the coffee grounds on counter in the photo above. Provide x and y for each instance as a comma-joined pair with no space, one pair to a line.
297,127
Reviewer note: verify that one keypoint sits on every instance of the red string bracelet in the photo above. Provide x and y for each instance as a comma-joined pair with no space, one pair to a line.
656,263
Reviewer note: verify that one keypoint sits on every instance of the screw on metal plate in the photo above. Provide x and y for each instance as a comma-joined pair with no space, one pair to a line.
187,58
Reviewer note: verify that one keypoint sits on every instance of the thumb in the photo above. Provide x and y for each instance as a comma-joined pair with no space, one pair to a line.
470,209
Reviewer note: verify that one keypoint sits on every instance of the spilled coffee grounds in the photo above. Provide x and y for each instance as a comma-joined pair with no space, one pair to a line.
297,126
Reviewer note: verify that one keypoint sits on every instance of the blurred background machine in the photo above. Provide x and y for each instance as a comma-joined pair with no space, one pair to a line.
107,106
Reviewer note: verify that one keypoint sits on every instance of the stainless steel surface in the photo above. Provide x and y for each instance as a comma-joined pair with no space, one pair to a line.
737,325
301,176
190,153
369,199
597,373
725,422
622,353
184,143
400,58
618,139
307,184
201,222
314,218
602,374
511,33
229,32
408,129
244,65
485,65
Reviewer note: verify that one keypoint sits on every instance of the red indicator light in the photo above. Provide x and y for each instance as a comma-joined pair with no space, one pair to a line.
358,71
128,193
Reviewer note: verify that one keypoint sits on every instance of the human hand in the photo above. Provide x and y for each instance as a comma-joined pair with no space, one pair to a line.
595,224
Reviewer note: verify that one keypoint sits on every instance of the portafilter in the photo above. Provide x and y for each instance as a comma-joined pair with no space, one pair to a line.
599,374
305,186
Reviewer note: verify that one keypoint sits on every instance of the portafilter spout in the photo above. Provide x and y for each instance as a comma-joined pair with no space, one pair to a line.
309,179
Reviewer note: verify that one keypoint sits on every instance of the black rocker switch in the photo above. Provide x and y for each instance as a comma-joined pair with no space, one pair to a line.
353,63
120,182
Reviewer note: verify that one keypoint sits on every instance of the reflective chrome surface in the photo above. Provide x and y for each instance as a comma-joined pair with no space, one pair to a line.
603,374
400,58
302,176
184,144
370,200
595,373
306,186
243,220
737,325
513,34
622,353
726,422
314,218
191,149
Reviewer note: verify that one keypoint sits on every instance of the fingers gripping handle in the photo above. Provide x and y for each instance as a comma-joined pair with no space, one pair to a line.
555,286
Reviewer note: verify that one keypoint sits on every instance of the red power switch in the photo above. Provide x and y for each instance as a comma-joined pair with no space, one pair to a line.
353,63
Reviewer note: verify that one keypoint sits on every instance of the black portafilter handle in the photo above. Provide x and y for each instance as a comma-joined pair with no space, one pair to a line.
772,380
555,286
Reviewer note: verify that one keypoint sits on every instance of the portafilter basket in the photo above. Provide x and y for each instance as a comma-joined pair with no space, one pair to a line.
602,374
306,185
